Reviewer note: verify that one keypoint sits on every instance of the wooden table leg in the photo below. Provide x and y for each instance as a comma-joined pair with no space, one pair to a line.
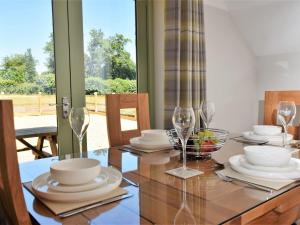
52,142
39,146
34,149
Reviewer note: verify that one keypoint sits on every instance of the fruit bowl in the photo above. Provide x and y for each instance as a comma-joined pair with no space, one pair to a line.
202,143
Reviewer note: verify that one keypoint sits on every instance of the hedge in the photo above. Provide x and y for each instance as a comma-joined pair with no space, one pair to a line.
46,84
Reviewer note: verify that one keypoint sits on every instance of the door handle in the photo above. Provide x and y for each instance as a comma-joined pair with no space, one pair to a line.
65,107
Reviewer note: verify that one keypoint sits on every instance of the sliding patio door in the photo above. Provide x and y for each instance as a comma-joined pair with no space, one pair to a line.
96,54
76,51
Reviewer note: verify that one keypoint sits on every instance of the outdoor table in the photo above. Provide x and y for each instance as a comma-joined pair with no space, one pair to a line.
42,133
158,198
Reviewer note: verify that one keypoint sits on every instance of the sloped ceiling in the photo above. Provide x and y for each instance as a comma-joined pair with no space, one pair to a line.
270,27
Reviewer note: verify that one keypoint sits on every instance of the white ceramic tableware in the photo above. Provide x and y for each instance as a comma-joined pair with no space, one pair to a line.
273,139
154,135
40,187
75,171
154,145
291,165
95,183
267,155
235,164
267,130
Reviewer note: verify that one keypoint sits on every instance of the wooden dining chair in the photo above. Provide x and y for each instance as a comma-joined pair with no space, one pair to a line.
11,194
116,102
272,98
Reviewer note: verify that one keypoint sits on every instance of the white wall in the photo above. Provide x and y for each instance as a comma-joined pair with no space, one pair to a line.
278,72
271,30
231,74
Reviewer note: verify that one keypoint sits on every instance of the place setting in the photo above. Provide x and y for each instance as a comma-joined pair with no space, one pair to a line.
263,167
270,165
152,140
272,134
77,184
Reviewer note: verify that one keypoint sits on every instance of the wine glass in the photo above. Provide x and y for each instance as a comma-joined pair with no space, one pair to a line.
184,215
207,112
184,122
79,121
286,112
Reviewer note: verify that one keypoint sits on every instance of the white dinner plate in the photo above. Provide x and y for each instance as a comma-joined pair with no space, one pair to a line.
292,165
97,182
274,139
236,165
159,145
41,188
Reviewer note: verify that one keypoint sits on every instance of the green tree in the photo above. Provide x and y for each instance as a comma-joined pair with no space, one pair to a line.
49,50
13,68
95,58
29,64
118,59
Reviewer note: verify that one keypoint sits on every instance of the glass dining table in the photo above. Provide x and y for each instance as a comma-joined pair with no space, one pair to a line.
158,197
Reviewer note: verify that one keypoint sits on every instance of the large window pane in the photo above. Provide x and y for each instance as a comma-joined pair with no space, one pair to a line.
110,61
27,64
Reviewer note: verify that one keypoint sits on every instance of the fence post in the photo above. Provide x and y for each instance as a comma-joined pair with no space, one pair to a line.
96,106
40,103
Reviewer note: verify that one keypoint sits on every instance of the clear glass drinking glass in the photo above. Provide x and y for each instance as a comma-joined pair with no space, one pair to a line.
207,111
184,122
79,119
286,112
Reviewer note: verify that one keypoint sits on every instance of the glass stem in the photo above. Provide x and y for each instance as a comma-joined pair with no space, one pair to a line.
80,145
284,138
184,153
184,191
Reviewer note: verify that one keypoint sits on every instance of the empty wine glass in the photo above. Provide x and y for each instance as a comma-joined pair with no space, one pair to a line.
207,112
286,112
184,122
79,121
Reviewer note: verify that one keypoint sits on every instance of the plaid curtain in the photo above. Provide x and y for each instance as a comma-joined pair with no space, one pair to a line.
185,83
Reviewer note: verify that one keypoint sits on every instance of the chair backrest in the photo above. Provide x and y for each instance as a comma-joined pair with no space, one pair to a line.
272,98
115,102
11,193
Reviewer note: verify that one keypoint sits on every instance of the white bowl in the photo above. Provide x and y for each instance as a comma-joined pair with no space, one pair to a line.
267,130
267,155
154,135
75,171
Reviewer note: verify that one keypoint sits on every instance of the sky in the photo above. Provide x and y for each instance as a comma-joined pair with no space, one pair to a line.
28,23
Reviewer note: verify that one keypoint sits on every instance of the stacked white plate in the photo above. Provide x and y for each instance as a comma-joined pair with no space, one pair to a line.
267,162
269,133
151,140
75,180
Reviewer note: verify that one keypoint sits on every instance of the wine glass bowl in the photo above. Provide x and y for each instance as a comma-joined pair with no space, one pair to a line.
79,120
184,122
207,111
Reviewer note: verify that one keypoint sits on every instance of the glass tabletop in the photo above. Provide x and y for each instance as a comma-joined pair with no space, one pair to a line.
159,197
